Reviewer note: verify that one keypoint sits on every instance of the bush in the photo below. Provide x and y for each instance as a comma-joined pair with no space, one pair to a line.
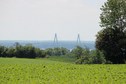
77,52
85,56
10,52
2,51
40,53
57,51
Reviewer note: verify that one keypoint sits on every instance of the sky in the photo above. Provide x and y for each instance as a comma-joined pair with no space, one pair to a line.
41,19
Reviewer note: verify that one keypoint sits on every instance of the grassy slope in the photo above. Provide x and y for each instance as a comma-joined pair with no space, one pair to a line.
52,71
66,59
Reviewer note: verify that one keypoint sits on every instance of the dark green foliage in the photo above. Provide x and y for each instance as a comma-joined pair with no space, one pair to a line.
113,44
27,51
81,55
40,53
86,56
20,51
97,57
57,51
111,40
3,51
77,52
64,51
10,52
49,51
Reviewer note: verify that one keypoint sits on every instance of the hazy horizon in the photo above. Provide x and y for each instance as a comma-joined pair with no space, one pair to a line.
41,19
49,40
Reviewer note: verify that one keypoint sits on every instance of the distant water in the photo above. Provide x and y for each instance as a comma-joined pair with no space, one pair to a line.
49,44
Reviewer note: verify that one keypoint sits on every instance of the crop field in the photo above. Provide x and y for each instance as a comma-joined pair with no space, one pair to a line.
44,71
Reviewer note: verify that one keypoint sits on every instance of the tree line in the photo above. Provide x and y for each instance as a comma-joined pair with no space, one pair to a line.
29,51
82,55
19,51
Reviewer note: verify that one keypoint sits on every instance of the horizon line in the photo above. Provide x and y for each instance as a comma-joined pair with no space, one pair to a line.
40,40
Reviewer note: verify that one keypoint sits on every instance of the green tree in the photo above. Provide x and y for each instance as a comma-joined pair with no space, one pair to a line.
97,57
49,51
77,52
64,51
27,51
86,57
2,51
40,53
10,52
111,40
57,51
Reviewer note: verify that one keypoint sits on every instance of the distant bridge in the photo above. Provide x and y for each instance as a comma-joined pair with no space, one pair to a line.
78,41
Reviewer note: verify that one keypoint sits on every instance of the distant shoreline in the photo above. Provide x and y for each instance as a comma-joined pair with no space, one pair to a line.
49,44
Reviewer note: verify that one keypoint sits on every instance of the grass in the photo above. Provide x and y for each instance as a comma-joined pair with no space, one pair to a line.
52,71
66,59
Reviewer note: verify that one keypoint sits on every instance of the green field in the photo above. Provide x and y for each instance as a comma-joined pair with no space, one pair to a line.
50,71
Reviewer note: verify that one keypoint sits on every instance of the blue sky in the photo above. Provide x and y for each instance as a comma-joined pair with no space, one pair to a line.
41,19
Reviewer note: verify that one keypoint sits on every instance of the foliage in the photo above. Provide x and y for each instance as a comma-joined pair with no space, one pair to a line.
40,53
97,57
111,40
10,52
2,51
86,56
29,51
49,51
19,51
64,51
44,71
77,52
57,51
25,52
81,55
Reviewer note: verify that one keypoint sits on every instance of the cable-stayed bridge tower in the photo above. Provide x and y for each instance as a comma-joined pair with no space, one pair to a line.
78,40
79,43
55,40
